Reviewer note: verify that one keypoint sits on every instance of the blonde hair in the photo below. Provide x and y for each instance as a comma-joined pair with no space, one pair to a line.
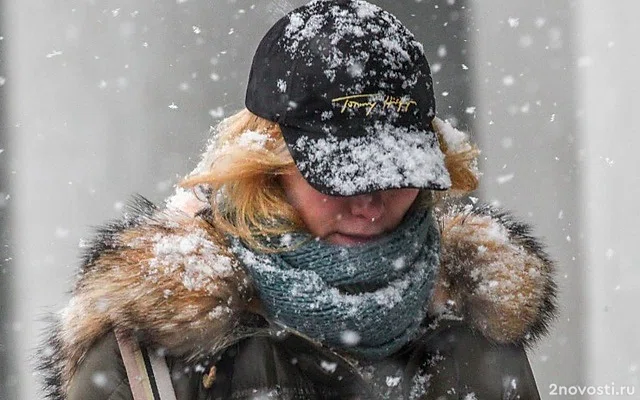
241,168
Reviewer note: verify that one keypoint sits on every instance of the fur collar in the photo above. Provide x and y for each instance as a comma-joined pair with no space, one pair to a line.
167,276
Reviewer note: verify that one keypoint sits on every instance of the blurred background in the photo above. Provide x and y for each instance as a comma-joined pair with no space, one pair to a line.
101,99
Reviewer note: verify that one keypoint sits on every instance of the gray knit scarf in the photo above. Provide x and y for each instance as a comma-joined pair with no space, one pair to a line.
368,299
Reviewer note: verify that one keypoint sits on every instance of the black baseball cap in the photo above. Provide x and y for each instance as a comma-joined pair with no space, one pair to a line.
352,92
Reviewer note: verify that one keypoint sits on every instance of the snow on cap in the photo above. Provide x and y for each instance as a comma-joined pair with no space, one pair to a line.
352,92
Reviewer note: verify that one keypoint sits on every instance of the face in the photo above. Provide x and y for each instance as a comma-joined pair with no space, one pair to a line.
349,220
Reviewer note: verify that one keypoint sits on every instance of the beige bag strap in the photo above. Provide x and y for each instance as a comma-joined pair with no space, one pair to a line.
148,373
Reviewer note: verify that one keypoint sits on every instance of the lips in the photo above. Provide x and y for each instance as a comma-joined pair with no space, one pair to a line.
352,239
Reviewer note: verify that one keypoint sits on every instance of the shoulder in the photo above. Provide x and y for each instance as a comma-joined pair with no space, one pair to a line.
163,273
494,274
150,240
155,270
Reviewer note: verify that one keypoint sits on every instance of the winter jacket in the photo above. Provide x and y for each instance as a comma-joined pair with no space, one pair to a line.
168,277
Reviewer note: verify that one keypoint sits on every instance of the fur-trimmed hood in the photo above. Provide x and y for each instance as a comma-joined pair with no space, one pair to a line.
168,276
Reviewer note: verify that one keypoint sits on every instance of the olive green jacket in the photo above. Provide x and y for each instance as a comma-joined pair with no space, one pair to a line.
167,277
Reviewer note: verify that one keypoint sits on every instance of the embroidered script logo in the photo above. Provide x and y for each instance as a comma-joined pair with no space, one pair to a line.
371,101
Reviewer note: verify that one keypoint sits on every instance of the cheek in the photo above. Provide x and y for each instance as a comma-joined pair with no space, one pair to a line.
409,196
399,201
320,214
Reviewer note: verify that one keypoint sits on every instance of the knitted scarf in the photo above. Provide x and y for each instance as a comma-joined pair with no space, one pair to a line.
368,299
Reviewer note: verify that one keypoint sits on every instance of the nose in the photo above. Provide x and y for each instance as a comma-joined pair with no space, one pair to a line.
369,205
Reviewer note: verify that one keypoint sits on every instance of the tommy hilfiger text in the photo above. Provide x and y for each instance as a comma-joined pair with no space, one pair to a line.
371,101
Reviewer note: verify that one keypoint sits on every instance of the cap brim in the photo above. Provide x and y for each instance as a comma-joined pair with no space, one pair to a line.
382,157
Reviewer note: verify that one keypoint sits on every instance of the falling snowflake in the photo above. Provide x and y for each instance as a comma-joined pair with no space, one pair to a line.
54,53
609,254
330,367
350,338
540,22
504,178
217,112
99,379
508,80
392,381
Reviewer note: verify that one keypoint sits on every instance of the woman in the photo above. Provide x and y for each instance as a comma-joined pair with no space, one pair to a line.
313,262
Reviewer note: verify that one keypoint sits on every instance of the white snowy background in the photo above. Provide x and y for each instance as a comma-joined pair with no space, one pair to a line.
106,98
